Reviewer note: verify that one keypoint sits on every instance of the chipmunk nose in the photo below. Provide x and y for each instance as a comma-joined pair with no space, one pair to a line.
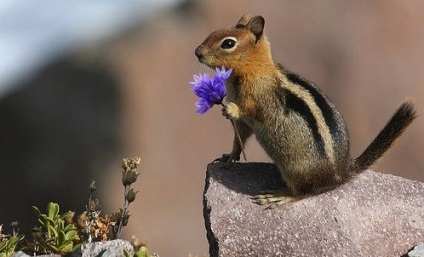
198,53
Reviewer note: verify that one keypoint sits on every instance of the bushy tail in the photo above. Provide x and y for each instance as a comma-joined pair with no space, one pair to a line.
404,115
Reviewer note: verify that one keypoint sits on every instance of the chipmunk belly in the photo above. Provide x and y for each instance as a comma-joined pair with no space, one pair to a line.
287,128
284,140
302,163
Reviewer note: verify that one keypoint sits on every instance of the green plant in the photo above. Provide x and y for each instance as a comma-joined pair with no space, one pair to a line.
54,235
8,243
7,246
142,252
59,234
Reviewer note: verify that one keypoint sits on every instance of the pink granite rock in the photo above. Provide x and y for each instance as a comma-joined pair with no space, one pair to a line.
373,215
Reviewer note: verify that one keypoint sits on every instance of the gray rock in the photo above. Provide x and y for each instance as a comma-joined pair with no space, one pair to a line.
418,251
113,248
373,215
22,254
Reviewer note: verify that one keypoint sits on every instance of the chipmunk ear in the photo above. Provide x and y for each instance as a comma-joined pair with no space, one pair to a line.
243,20
256,26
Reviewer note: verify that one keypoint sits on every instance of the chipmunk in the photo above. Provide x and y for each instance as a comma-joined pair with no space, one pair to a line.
296,124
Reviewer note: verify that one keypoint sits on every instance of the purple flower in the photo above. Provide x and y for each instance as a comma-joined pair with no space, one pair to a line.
202,106
210,90
222,75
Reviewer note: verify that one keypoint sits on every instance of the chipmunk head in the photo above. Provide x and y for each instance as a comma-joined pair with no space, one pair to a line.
235,47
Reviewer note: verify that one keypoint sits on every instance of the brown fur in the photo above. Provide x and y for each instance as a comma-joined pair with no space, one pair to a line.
296,124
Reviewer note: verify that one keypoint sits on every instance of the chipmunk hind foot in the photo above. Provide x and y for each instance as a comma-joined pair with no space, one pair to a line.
274,198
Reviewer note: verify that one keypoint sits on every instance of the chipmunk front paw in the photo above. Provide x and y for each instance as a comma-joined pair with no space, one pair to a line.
231,111
229,158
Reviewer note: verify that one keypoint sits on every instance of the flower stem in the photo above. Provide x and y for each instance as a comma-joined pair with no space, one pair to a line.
239,139
238,136
123,214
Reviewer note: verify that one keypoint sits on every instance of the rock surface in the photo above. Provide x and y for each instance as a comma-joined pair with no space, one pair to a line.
113,248
22,254
105,249
372,215
418,251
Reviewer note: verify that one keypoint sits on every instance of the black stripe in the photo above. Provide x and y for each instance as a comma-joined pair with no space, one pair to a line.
294,103
319,99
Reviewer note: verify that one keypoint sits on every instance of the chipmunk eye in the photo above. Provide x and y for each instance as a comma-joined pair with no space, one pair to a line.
228,43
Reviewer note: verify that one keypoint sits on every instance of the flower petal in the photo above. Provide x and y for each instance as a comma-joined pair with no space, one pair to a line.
210,90
202,106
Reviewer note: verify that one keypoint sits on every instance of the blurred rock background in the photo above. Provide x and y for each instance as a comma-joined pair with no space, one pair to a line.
118,87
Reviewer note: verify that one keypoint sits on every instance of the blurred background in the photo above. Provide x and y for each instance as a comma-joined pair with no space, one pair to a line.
85,83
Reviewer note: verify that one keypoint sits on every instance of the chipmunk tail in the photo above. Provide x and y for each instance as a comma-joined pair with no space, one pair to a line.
400,120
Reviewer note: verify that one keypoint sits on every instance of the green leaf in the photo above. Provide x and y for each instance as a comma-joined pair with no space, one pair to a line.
59,224
3,245
75,247
52,209
36,210
52,231
70,227
15,240
66,248
127,253
49,221
66,215
61,238
42,220
143,252
71,235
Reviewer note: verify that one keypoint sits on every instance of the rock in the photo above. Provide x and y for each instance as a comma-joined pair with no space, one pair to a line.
22,254
113,248
374,214
418,251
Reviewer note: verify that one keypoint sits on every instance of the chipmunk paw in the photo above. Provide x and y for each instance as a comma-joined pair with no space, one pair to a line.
274,198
